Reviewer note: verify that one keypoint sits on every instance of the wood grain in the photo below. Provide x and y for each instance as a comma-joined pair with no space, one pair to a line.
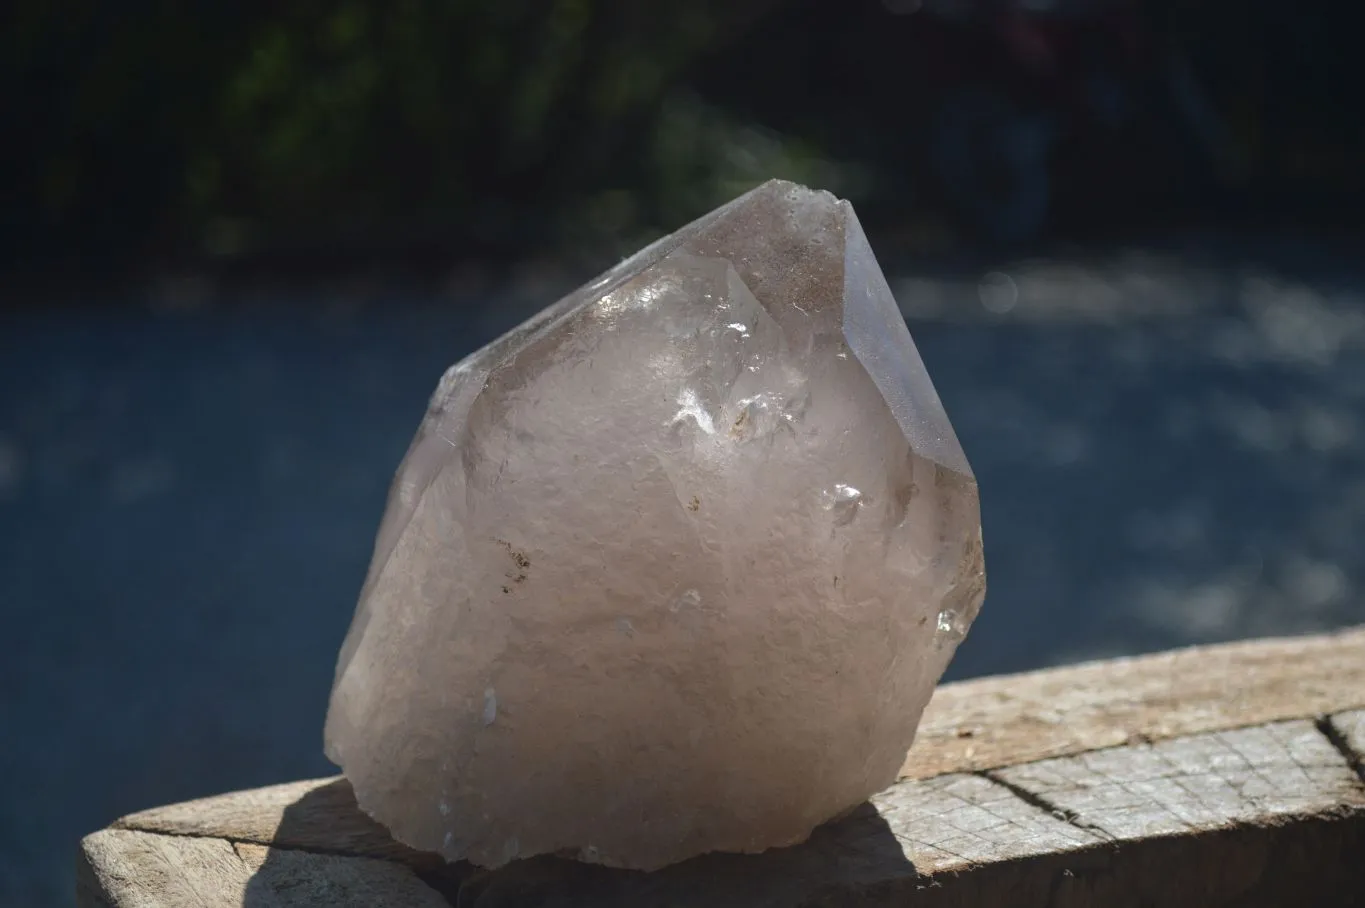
951,823
986,723
130,869
1203,781
1226,777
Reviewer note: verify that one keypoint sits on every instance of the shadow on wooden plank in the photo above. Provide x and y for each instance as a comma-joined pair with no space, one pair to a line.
856,860
855,854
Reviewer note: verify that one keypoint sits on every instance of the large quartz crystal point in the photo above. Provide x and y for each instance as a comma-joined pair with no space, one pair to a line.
671,568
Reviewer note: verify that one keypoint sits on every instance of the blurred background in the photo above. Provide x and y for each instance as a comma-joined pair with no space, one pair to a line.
240,242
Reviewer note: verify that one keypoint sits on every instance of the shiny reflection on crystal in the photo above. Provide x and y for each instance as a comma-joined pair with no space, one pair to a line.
843,501
689,599
951,627
690,408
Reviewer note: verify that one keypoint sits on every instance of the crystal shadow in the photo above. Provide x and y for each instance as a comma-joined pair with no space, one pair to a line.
855,854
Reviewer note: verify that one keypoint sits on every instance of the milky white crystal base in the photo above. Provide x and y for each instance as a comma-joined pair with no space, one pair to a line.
671,568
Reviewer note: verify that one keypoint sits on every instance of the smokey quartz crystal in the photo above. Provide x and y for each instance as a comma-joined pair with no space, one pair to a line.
671,568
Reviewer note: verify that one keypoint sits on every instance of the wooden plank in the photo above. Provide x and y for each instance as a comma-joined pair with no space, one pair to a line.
935,825
1198,805
968,839
1199,782
952,823
1263,816
1000,721
128,869
915,829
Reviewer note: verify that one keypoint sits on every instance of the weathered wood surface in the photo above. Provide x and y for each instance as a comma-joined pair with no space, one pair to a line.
1219,776
1000,721
140,870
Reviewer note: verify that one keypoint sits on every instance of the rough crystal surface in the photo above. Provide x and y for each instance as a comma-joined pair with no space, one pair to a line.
671,568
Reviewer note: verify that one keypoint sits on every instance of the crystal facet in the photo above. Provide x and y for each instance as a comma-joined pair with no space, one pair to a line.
671,568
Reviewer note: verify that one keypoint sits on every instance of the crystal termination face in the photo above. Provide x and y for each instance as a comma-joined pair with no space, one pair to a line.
671,568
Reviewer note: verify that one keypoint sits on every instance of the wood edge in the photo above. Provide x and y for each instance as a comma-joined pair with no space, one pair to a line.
90,889
1307,643
155,819
132,869
941,746
978,882
1179,863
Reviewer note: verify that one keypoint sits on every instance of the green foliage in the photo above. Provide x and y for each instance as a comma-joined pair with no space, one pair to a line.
232,128
156,128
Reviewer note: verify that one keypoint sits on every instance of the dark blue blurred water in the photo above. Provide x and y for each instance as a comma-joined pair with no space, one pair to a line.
187,502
